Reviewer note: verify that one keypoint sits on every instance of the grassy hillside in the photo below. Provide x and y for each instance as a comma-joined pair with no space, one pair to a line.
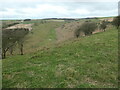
80,63
43,34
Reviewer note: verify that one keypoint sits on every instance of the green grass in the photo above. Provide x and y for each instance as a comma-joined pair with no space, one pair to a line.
87,62
42,34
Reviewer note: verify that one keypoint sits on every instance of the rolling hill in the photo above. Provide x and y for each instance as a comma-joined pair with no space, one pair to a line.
86,62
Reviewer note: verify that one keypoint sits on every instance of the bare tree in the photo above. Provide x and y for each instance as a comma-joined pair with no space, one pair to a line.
7,41
11,37
20,38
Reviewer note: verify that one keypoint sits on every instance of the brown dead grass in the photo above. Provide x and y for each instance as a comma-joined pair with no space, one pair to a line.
66,31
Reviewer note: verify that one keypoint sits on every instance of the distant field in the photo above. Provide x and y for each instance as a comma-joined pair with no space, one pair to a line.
86,62
56,20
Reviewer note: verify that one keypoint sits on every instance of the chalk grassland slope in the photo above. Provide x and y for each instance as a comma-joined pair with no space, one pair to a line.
67,30
85,62
46,33
42,34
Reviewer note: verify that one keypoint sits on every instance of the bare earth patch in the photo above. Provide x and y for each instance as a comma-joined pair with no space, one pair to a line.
28,26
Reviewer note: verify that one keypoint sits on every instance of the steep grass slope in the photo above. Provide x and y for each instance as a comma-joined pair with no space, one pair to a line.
81,63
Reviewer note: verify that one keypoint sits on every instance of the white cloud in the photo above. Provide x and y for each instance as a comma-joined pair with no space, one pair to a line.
7,12
44,10
47,10
81,11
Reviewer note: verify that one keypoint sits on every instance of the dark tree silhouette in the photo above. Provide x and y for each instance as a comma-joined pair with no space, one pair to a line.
116,22
11,37
87,27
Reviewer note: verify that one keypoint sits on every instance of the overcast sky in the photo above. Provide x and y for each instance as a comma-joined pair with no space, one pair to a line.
37,9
